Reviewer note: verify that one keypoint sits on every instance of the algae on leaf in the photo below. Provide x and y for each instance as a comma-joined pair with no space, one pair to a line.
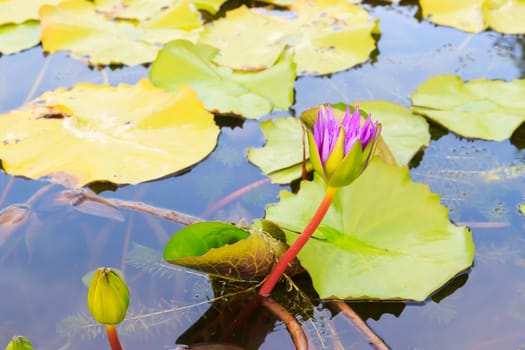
130,134
480,108
384,237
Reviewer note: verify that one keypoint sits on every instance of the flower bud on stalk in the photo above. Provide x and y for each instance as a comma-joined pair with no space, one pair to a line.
340,149
339,152
108,299
19,343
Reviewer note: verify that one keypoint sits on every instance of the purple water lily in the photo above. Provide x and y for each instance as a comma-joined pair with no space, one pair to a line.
327,130
340,148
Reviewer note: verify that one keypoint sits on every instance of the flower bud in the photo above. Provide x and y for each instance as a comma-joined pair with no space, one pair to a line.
108,297
340,149
19,343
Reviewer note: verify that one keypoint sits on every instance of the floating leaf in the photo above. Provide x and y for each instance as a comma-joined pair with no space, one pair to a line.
474,16
486,109
76,26
18,37
281,158
325,37
505,16
224,250
222,90
130,135
143,9
19,11
384,237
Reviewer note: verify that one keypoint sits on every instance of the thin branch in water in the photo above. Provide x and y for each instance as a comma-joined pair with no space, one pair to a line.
76,197
7,189
361,325
38,79
125,247
172,215
233,196
293,326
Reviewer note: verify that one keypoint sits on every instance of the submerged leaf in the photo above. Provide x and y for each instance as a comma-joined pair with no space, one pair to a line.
130,135
76,26
18,37
324,36
224,250
384,237
486,109
222,90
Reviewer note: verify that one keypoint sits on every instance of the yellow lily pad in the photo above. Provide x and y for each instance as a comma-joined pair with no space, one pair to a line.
474,16
325,37
19,11
76,26
142,9
505,16
124,134
18,37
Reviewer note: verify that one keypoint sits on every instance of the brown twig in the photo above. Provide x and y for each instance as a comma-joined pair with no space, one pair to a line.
79,196
232,196
293,326
172,215
361,325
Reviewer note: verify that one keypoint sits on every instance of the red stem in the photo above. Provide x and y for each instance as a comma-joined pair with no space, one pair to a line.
291,253
114,342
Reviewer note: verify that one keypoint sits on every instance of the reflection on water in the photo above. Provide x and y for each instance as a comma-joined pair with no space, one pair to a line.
47,243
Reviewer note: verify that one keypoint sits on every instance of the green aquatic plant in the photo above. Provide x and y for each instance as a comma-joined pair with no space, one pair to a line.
19,342
108,300
339,151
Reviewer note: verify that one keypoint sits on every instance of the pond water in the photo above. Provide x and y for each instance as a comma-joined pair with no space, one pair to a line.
44,257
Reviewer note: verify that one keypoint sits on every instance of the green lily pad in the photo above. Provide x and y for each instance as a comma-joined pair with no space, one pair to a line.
486,109
224,250
282,156
403,134
474,16
18,37
384,237
250,94
76,26
324,36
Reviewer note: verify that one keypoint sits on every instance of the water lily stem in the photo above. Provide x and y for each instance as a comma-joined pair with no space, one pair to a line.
114,342
291,253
